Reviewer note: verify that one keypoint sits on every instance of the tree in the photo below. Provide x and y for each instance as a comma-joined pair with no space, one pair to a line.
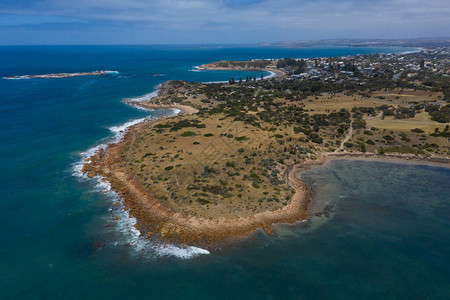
359,124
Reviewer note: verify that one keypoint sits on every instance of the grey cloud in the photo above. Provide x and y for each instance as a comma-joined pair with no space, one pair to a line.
273,18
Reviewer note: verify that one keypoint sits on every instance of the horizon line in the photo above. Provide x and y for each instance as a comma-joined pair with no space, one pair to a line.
222,44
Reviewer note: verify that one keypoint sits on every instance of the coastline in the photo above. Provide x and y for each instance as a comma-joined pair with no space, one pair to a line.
274,71
327,157
153,217
169,226
174,227
435,161
154,220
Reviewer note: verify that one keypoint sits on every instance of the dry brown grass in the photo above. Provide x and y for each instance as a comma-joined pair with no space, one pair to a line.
221,170
421,120
329,103
407,96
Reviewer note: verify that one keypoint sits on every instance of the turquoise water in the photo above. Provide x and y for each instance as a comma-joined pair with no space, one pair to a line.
386,236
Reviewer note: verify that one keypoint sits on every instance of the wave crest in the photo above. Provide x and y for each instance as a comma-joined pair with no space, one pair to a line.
126,223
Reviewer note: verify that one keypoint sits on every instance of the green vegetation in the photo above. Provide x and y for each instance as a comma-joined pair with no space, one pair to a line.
188,133
439,113
402,150
293,66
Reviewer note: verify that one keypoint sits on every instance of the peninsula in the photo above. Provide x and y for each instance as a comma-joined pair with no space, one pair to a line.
228,164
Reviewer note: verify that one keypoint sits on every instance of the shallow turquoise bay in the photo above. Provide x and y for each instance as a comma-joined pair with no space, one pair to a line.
378,230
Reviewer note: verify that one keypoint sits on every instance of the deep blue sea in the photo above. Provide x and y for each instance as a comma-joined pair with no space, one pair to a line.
378,230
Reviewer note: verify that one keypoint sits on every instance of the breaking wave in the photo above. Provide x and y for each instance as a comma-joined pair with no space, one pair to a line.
125,223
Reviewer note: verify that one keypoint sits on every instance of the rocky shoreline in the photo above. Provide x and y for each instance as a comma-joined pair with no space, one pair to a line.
156,220
62,75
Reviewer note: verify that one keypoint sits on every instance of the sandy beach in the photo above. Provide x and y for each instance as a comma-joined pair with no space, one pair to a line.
271,69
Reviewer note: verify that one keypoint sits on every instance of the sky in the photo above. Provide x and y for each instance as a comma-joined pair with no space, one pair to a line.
50,22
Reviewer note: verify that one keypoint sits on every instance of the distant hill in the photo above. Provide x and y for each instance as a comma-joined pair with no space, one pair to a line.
416,42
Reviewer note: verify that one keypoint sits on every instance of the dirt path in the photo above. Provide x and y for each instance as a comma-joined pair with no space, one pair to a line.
347,137
379,116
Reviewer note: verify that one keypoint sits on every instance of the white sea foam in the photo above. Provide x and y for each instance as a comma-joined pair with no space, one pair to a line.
147,247
126,223
412,51
120,130
17,77
196,69
143,97
78,166
140,107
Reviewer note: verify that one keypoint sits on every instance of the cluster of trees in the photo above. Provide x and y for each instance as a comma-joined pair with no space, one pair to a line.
297,66
253,64
247,79
444,133
359,112
185,123
399,112
439,113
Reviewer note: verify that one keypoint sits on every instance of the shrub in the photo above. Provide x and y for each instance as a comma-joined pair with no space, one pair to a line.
163,126
315,138
241,138
417,130
188,133
359,124
203,201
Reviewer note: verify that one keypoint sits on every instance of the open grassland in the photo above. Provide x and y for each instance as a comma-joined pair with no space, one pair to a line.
407,96
326,103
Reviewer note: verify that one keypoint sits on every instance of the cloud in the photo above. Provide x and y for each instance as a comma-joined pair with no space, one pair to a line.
249,20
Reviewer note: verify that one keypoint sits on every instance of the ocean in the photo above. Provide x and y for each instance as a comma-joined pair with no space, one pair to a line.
382,237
